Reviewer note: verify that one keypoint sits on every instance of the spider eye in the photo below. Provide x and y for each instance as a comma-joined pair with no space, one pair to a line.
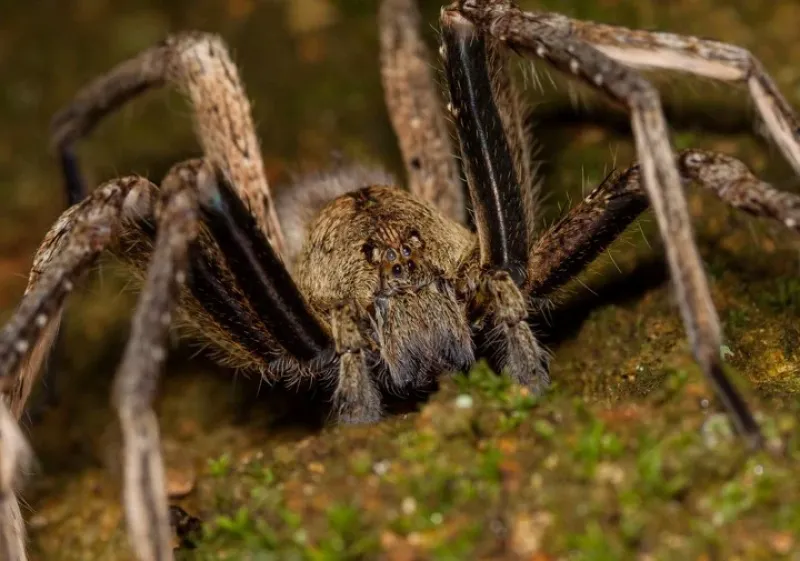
405,250
391,254
397,270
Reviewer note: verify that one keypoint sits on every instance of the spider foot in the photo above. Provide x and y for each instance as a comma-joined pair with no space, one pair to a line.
526,363
520,357
356,400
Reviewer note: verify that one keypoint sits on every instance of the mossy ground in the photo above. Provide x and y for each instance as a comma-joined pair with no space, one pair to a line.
624,458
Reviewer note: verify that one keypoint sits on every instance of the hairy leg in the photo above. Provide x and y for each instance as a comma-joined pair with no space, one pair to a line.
238,295
213,307
523,359
590,227
263,278
513,114
548,37
192,191
68,251
498,272
415,109
356,398
15,455
136,380
122,211
488,161
711,59
200,66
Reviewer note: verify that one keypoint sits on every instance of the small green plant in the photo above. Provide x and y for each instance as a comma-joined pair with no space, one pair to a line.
220,466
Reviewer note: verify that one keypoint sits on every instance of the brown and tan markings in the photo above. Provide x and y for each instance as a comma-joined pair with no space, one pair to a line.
379,288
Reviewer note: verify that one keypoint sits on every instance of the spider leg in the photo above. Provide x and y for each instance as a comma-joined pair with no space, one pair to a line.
200,66
284,313
261,275
136,380
415,109
513,114
564,249
548,37
590,227
15,453
488,162
68,251
711,59
497,202
356,398
214,307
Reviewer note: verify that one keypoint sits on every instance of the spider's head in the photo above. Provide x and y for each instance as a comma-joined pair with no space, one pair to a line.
393,256
420,325
376,240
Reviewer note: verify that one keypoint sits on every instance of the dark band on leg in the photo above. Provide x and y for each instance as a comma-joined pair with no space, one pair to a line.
205,285
216,299
491,175
261,274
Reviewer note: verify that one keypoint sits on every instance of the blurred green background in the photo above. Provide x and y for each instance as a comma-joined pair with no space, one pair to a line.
310,67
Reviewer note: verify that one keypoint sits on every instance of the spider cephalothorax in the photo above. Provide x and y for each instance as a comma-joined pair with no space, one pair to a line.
349,279
397,259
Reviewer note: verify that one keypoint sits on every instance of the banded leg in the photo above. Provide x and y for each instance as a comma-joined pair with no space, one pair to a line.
269,291
702,57
200,66
71,246
496,198
415,109
214,308
264,280
591,226
68,251
513,115
547,37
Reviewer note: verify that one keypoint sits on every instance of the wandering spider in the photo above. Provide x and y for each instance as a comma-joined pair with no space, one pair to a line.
360,285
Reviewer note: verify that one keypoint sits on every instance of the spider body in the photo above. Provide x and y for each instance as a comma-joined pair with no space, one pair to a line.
351,281
397,261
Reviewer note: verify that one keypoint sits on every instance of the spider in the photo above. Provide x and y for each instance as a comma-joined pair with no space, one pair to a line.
348,281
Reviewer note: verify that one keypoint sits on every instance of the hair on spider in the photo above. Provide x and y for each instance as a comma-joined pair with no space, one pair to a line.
298,203
349,282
